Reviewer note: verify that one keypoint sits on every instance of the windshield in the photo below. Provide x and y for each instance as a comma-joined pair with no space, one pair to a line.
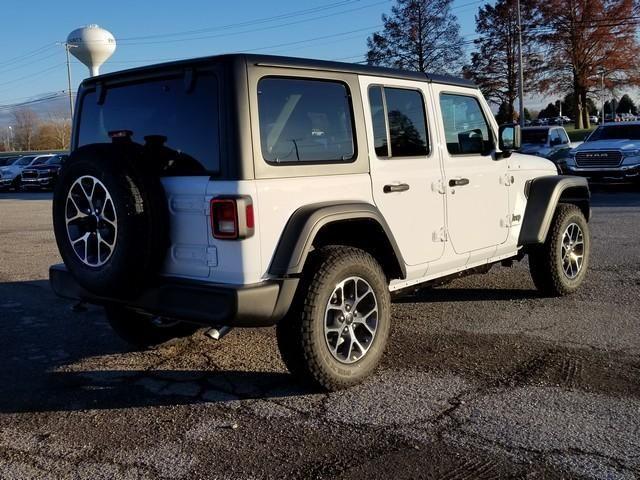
57,160
23,161
40,160
616,132
534,136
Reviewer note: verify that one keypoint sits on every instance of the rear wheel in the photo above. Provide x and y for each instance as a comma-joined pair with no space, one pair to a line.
336,331
144,331
558,267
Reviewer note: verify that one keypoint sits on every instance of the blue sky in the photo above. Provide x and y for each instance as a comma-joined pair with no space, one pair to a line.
30,25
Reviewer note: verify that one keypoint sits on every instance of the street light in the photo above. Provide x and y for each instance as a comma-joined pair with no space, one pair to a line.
602,71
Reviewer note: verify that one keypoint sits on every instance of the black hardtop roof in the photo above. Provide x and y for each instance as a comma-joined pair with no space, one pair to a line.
292,62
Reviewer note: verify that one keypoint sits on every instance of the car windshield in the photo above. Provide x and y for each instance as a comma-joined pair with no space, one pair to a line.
534,136
40,161
616,132
23,161
57,160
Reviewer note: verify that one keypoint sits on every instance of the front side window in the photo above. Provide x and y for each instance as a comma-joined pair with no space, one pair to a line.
305,121
465,126
176,122
404,122
564,138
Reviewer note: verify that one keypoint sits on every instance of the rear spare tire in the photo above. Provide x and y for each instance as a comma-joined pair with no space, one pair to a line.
110,219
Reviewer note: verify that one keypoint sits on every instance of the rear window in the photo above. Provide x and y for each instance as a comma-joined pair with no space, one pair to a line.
179,122
534,136
305,121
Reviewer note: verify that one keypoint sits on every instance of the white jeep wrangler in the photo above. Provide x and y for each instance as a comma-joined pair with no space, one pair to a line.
244,191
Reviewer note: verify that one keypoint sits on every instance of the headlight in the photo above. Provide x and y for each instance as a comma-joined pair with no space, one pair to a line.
632,153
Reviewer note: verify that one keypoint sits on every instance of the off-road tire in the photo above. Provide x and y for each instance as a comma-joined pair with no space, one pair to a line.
545,261
300,334
140,331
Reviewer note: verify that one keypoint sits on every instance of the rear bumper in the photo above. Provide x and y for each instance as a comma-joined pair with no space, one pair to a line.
207,304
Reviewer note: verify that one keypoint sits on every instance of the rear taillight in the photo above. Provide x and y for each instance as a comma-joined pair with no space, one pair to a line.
232,217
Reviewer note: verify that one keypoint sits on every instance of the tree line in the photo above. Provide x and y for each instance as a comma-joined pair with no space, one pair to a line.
575,47
29,131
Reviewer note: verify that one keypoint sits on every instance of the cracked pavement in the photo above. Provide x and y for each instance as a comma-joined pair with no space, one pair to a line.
482,378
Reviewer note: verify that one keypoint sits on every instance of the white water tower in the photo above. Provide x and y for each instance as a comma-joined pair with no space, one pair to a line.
91,45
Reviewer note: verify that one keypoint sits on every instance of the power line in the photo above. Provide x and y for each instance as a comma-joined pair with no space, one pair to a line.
244,24
270,27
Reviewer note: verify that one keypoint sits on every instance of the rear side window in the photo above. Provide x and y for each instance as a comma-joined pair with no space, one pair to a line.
465,126
177,122
305,121
403,126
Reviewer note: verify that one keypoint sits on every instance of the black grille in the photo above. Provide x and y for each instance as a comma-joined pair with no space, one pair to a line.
30,174
599,159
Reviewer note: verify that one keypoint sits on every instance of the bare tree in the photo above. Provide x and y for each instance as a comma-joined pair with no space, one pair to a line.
420,35
25,124
61,127
583,36
494,63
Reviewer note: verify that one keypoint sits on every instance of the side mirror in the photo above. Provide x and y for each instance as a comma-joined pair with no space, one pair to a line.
509,138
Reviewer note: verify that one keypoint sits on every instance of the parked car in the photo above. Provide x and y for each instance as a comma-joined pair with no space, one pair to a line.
610,152
252,190
4,161
546,142
43,175
11,175
594,119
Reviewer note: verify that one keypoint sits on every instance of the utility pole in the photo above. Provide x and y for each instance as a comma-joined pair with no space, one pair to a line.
520,68
602,93
66,47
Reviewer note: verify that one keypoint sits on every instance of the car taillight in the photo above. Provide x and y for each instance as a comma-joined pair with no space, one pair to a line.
232,217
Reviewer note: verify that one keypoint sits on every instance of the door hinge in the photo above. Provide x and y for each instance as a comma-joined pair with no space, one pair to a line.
438,187
505,222
440,235
212,257
507,179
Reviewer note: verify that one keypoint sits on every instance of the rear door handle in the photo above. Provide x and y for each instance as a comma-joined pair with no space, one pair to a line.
397,187
458,182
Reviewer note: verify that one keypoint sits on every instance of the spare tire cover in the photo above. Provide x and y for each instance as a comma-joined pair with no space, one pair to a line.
110,219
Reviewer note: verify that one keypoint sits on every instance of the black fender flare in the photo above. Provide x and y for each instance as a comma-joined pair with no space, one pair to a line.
304,224
544,194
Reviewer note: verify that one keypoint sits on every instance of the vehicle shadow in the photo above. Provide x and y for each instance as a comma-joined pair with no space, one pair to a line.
449,294
26,195
52,359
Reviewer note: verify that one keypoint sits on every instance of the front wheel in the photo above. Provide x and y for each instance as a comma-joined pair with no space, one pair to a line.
143,331
337,329
558,267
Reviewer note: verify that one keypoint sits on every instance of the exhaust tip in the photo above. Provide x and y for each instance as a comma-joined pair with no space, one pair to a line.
217,333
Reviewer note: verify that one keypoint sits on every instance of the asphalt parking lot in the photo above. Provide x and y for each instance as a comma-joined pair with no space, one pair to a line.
482,379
